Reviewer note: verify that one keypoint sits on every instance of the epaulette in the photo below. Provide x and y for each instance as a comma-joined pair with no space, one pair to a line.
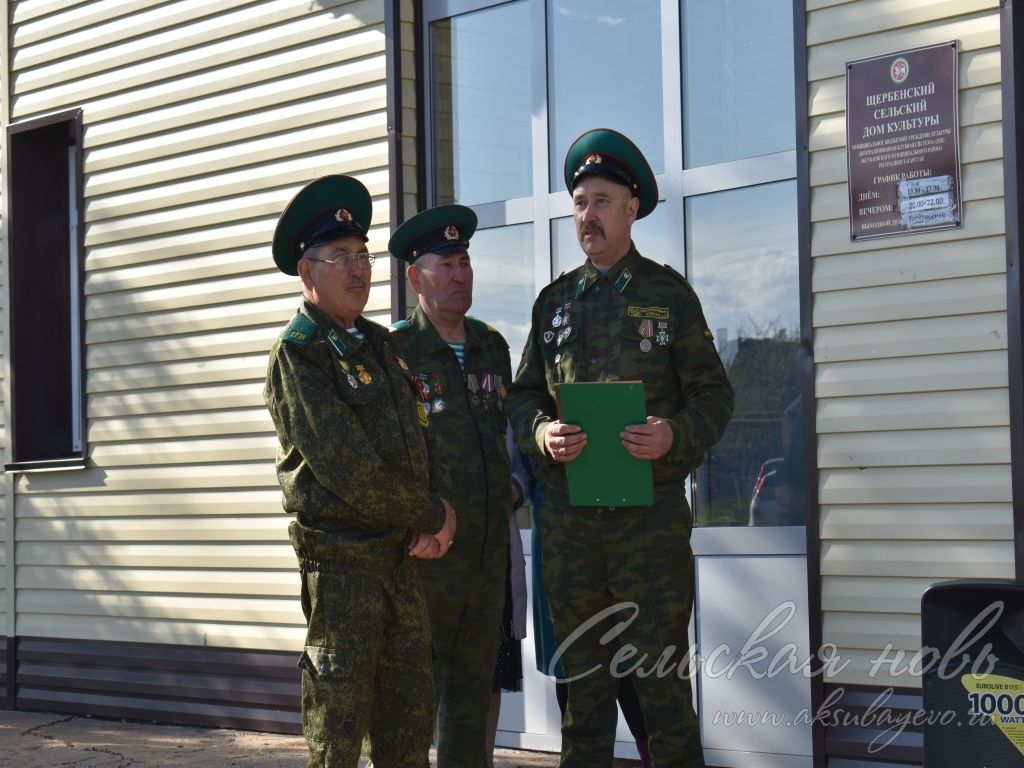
399,325
671,270
560,276
300,330
480,325
565,275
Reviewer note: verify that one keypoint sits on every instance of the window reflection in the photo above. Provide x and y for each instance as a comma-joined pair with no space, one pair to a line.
481,109
738,98
743,250
605,67
503,282
650,234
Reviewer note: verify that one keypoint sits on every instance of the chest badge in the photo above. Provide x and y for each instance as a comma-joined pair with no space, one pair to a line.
646,330
364,375
662,337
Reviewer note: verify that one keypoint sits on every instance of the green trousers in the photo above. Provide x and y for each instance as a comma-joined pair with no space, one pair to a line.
465,608
366,669
633,567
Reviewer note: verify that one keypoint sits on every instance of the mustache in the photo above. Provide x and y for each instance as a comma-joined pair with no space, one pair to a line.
357,283
593,228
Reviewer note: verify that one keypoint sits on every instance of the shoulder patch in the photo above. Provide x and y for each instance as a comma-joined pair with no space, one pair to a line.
300,330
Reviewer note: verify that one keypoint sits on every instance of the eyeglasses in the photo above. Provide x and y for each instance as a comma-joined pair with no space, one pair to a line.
348,260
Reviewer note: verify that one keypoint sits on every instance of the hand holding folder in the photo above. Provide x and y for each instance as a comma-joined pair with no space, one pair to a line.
604,474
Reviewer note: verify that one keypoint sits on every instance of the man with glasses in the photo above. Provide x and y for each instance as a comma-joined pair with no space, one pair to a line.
620,317
464,369
366,486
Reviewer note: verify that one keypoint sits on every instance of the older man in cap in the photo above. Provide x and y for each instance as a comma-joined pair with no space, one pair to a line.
464,369
359,473
627,571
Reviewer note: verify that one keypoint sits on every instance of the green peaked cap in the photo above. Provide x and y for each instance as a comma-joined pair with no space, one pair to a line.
324,210
608,153
442,230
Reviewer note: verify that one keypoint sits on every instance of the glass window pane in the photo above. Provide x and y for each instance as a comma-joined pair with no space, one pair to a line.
604,72
481,108
503,282
650,235
742,246
737,79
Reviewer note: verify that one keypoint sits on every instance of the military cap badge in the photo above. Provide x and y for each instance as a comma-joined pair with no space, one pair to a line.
314,217
608,153
442,230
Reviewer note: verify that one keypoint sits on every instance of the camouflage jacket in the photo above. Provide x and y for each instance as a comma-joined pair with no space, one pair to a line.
354,461
467,419
638,321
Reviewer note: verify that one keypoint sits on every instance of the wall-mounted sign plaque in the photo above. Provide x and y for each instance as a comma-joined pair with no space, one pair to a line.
903,142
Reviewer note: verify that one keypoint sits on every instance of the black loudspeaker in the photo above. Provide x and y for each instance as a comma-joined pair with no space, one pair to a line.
972,635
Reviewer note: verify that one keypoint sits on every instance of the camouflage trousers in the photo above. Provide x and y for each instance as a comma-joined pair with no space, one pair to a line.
366,668
465,611
620,585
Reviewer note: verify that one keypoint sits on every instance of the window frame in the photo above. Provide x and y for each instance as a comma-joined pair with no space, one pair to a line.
676,185
75,456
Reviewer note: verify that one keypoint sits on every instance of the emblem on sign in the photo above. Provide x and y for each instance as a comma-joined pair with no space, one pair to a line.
899,70
343,215
451,233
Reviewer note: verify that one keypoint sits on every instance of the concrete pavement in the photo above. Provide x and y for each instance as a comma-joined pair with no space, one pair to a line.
46,740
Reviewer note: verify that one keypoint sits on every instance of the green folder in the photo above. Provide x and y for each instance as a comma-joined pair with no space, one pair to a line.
605,475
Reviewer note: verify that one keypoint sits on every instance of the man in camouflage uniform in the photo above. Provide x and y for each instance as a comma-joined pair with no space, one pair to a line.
619,317
359,474
464,369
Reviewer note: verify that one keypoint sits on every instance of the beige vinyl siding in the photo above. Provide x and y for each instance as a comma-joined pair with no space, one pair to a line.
910,352
201,121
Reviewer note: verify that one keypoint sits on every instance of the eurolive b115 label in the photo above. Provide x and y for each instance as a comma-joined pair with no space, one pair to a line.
1000,699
